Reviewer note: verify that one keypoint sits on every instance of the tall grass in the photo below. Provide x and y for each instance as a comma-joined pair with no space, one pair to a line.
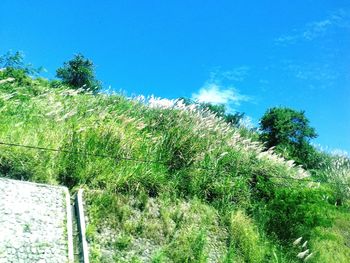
175,155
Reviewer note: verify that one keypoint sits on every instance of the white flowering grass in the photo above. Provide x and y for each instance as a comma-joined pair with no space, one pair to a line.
337,173
301,255
297,241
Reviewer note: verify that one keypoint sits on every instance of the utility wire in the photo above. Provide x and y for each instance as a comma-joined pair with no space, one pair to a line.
144,161
74,152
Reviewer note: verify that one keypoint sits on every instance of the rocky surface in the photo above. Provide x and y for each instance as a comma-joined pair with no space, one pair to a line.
33,222
133,229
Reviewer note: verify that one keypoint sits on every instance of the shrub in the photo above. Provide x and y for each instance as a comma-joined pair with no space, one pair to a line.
296,211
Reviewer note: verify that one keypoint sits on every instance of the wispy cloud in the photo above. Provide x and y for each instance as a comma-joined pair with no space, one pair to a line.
237,74
321,75
316,29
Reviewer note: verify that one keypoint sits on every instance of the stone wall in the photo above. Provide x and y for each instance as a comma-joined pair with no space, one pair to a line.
35,224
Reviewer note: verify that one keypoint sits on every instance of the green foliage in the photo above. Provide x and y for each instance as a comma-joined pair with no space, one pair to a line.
12,65
79,73
14,168
174,230
244,238
335,170
189,247
10,60
289,132
18,75
159,257
285,126
331,244
166,178
16,61
234,119
295,212
219,110
122,242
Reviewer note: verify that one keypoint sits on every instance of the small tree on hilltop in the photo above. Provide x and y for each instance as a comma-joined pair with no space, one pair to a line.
78,73
12,65
289,131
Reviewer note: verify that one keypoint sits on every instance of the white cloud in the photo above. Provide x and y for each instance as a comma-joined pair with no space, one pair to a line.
216,94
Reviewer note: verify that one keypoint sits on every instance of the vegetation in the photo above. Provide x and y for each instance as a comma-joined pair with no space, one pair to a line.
79,73
218,109
166,182
12,66
289,132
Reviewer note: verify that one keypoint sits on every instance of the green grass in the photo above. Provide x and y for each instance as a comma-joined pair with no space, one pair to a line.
178,185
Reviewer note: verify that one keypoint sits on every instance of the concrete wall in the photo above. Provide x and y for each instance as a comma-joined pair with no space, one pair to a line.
35,223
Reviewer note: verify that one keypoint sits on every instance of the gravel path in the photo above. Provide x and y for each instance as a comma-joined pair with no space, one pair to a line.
33,222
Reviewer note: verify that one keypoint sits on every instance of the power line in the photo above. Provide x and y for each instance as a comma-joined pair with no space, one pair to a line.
147,161
75,152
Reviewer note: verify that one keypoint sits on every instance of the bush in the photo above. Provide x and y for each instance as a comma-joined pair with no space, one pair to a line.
332,244
19,76
296,211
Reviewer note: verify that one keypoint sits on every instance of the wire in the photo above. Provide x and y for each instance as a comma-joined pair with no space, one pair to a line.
146,161
74,152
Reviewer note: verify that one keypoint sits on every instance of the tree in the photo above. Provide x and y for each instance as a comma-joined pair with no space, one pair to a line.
218,109
10,60
289,131
234,119
12,65
79,72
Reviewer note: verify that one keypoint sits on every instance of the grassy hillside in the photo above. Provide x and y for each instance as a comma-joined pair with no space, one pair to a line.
171,183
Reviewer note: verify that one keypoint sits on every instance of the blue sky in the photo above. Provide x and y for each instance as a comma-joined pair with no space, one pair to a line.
250,55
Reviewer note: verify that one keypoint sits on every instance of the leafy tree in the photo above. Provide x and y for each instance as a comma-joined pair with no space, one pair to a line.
220,110
78,73
10,60
234,119
289,131
13,66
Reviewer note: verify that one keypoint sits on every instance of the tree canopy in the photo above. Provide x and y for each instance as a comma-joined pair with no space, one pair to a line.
79,72
289,131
